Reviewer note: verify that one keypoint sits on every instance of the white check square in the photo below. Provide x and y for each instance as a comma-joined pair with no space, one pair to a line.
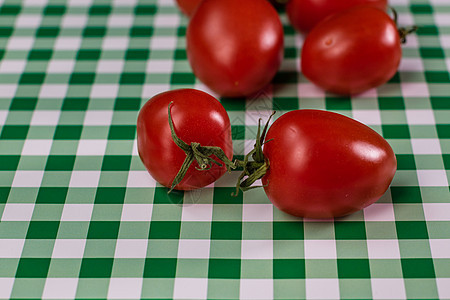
194,248
60,288
320,249
131,248
68,248
18,212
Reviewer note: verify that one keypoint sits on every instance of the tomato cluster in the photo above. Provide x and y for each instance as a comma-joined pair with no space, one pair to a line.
312,163
236,47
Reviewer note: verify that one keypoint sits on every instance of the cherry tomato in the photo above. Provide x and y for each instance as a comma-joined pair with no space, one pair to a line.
305,14
235,47
352,51
323,164
188,7
197,117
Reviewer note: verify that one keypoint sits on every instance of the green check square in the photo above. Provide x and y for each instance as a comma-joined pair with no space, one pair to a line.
116,163
182,78
40,54
110,195
390,103
47,32
406,194
437,77
132,78
10,9
14,132
164,230
160,267
226,230
137,54
429,52
82,78
100,10
94,32
338,103
405,162
54,10
122,132
4,193
350,230
395,131
32,78
288,268
144,10
224,268
75,104
60,163
180,54
288,230
9,162
438,103
52,195
88,54
421,9
5,31
285,103
68,132
23,103
33,268
443,131
353,268
43,230
96,267
284,77
103,230
141,31
411,229
418,268
222,196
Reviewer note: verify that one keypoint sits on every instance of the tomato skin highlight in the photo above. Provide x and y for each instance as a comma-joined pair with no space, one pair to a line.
197,117
352,52
305,14
325,165
235,47
188,7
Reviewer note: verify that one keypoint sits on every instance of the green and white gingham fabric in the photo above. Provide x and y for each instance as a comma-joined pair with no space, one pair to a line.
82,219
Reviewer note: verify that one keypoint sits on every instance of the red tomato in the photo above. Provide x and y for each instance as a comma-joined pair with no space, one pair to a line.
323,164
235,47
197,117
305,14
352,51
188,7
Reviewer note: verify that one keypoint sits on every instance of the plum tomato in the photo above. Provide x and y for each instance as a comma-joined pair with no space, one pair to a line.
188,7
235,47
305,14
352,51
197,117
320,164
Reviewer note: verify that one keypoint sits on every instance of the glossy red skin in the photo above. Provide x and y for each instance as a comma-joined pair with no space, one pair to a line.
305,14
352,52
197,117
325,165
188,7
235,47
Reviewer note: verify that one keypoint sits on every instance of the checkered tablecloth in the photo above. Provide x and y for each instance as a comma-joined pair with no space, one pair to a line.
82,219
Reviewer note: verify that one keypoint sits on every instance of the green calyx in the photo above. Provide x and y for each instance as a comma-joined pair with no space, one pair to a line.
196,152
253,169
402,31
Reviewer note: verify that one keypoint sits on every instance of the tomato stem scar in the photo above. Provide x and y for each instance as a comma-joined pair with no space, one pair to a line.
198,153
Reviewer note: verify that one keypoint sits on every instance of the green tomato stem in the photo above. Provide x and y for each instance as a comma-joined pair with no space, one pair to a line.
196,152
